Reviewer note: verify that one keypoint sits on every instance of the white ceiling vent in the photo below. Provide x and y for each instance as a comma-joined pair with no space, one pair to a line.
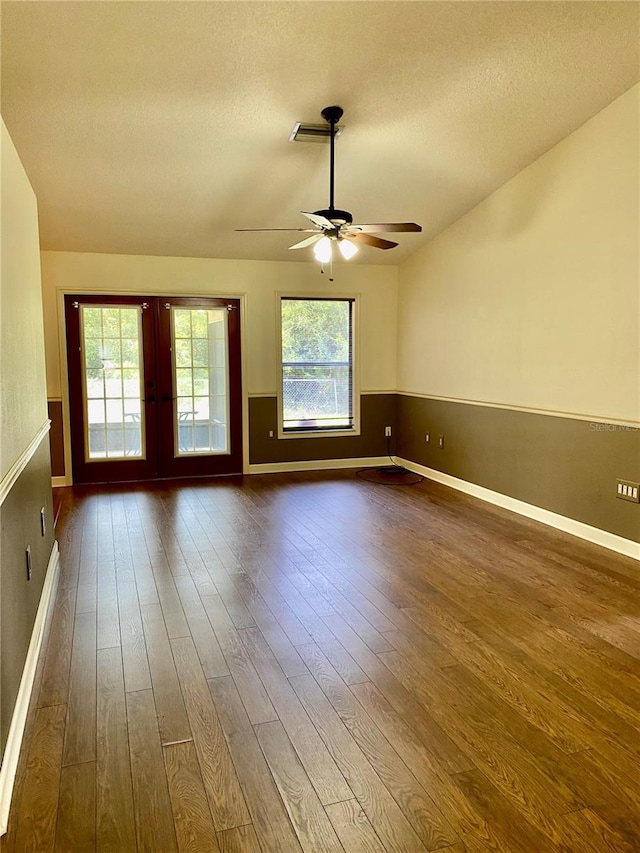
312,132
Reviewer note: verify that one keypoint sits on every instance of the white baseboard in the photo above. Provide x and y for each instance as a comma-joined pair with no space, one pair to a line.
569,525
319,465
57,482
19,718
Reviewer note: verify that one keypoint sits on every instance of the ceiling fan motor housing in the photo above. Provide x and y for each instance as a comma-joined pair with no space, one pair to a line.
338,217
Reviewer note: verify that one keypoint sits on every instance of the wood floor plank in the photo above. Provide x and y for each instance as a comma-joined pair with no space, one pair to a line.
546,711
206,643
312,826
325,776
506,820
352,827
107,607
414,801
268,815
263,618
194,827
605,726
383,812
254,695
87,600
199,574
612,795
285,616
115,828
168,596
241,839
76,827
403,700
232,599
585,830
36,824
172,716
145,582
342,661
152,807
365,604
54,687
511,768
352,616
221,783
468,823
134,652
80,731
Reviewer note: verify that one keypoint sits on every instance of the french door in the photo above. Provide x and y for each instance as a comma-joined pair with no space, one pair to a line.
154,387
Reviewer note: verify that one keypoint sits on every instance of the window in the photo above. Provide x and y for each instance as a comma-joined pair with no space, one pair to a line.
317,356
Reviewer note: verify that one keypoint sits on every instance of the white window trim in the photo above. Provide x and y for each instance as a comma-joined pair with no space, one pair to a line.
330,433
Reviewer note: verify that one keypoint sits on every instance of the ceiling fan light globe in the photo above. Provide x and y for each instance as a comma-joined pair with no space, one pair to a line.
322,250
347,249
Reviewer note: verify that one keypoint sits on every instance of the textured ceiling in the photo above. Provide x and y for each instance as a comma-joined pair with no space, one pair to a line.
159,128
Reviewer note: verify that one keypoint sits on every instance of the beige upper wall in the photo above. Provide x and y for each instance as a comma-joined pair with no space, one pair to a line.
259,280
23,407
532,298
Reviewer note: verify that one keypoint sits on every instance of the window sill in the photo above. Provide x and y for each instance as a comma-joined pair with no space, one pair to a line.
319,433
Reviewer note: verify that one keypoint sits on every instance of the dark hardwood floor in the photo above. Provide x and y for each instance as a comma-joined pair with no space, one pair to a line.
313,662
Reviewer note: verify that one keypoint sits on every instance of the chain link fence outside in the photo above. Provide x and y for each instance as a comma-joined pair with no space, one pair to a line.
316,392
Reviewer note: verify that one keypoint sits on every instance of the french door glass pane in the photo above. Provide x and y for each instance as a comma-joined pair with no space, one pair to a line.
110,338
201,413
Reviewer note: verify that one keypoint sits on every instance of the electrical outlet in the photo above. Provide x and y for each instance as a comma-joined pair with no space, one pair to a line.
427,437
387,431
43,521
28,562
441,441
628,491
271,433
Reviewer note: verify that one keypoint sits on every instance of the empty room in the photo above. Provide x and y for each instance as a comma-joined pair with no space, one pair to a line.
320,426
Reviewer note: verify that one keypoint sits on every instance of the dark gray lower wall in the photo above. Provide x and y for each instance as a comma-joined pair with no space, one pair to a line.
564,465
19,598
376,412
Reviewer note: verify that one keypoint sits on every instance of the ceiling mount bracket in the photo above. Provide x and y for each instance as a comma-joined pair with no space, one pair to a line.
332,114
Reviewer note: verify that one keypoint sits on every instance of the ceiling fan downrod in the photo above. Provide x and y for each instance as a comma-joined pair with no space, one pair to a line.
332,115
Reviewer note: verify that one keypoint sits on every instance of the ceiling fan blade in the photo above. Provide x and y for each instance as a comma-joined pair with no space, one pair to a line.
384,227
275,229
308,241
370,240
320,221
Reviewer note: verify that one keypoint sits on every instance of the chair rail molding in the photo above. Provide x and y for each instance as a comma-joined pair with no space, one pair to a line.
22,461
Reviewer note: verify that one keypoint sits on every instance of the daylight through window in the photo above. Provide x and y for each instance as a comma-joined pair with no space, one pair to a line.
317,364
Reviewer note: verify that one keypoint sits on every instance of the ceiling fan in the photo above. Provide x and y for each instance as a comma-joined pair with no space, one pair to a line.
333,225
